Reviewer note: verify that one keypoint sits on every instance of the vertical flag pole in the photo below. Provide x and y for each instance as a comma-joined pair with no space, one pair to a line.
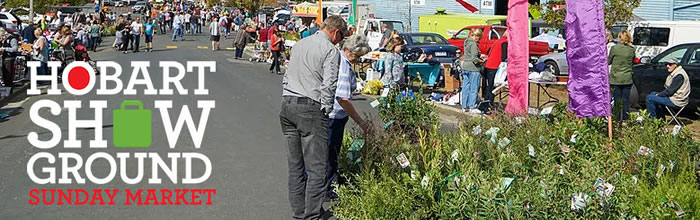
610,132
319,17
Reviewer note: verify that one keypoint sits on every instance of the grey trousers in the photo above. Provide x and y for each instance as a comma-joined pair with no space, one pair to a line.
305,129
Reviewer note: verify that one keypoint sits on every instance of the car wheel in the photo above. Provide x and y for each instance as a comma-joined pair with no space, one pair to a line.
552,66
634,98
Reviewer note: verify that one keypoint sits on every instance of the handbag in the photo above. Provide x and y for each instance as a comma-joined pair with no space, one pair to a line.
501,74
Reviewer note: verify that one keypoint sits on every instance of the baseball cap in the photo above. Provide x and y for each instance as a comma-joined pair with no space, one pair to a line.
671,60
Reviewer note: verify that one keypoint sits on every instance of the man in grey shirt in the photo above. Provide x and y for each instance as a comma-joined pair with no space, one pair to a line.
307,98
386,36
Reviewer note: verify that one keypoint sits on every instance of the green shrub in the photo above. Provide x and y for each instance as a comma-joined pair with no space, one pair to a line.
109,30
463,174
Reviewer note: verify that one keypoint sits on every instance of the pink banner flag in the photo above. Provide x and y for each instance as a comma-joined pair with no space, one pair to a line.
518,54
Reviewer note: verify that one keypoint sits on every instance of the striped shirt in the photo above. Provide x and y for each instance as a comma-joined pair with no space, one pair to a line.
214,28
347,83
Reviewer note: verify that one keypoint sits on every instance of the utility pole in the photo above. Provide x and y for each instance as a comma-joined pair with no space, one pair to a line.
31,11
410,27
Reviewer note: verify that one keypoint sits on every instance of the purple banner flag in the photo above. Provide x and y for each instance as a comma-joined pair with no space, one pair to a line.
586,53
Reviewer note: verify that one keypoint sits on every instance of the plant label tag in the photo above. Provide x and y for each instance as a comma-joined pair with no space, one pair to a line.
573,138
388,124
455,155
560,169
676,130
506,182
374,104
546,111
403,160
578,201
609,189
385,92
565,149
531,150
660,171
476,130
645,151
519,120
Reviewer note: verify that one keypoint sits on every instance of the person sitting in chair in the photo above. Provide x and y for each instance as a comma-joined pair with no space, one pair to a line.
676,94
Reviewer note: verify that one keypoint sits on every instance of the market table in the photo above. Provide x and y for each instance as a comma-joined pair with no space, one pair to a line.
428,73
542,86
368,61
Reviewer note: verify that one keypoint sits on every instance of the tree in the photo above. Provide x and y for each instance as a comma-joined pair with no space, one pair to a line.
41,6
616,11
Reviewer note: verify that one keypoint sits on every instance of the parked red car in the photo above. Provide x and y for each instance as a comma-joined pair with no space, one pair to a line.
491,34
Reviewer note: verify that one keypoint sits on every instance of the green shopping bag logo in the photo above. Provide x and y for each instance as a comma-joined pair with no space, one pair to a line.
132,127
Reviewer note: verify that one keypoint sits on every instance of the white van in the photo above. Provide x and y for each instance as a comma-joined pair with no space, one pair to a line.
653,37
372,29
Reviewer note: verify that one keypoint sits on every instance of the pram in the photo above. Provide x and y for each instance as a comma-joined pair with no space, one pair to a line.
81,54
259,54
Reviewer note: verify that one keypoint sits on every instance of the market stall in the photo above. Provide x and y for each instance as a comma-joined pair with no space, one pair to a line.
307,11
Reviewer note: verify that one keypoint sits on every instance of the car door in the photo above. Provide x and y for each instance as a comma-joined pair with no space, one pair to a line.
651,77
692,67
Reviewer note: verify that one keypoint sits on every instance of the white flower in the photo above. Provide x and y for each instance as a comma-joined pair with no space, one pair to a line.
425,181
640,119
457,180
573,138
414,174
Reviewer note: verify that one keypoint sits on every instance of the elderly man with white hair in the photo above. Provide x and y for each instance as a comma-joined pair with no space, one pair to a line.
9,50
354,47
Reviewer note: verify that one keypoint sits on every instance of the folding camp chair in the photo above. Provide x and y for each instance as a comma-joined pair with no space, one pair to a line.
674,115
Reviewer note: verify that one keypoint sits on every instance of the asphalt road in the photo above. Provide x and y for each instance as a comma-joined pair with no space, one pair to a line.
243,140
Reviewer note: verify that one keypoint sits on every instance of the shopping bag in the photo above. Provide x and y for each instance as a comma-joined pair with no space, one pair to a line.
132,127
501,74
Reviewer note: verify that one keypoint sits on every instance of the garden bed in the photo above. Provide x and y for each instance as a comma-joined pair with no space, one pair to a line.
556,166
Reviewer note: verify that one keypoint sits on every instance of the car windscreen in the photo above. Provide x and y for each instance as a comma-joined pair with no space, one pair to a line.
394,25
427,39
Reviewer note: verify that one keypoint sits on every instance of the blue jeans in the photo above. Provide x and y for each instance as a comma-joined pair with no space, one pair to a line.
470,88
336,129
193,28
42,70
305,130
175,34
621,93
93,43
239,52
655,105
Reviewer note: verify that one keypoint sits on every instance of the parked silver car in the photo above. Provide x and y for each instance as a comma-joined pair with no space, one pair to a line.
556,63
